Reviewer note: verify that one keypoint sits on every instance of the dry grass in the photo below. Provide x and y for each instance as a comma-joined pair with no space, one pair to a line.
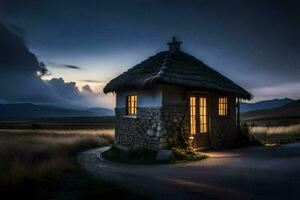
276,134
35,160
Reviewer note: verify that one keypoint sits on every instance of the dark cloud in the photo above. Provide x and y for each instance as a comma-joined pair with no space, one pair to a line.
87,89
21,72
67,90
43,71
91,81
72,67
53,64
15,55
16,29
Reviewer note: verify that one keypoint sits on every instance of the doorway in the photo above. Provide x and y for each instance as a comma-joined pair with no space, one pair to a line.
199,129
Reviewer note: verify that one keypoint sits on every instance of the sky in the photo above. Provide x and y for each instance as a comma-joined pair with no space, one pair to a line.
78,46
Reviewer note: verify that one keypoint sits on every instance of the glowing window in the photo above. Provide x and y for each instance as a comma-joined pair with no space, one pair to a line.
198,115
131,105
193,115
223,106
202,115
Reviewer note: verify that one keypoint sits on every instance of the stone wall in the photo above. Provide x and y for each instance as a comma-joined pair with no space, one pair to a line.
153,128
162,128
175,127
139,131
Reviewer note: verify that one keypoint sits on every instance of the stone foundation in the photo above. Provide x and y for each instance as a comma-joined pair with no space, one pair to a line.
174,126
163,128
139,131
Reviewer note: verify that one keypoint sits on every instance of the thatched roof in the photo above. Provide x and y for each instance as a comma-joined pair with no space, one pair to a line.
175,67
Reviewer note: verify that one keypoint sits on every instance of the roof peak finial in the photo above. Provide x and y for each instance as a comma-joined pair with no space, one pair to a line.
174,46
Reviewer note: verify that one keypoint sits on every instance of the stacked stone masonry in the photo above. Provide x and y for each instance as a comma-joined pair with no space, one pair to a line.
160,128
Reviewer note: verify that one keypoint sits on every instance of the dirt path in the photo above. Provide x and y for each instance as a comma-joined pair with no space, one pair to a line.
251,173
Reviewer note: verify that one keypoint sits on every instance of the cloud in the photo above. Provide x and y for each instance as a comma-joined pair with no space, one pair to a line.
53,64
97,98
86,97
15,55
92,81
67,90
17,29
290,90
21,72
72,67
87,89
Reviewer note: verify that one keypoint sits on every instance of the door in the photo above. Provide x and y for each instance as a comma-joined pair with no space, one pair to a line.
199,121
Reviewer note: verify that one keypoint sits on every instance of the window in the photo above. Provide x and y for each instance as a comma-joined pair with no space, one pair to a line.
223,106
202,115
193,115
198,115
131,105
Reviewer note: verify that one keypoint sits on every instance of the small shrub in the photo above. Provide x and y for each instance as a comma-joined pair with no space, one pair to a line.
35,126
188,154
245,138
132,155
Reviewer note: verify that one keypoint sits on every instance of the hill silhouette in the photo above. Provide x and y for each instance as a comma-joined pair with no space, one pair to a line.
32,111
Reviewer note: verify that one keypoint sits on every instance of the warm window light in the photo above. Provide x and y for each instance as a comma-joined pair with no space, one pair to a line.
193,115
131,105
223,106
203,115
198,115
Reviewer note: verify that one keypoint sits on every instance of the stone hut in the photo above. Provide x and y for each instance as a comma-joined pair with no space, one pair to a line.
172,99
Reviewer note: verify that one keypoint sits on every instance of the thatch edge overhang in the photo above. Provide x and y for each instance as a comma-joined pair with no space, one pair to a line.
159,81
160,76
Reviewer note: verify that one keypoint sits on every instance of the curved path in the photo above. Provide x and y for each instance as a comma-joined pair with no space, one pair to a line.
250,173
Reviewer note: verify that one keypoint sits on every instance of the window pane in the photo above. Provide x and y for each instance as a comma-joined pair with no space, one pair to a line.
193,115
203,115
131,105
223,106
198,115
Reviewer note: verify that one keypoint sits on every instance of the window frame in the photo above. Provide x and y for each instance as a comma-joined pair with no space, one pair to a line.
203,115
197,116
131,104
225,105
193,116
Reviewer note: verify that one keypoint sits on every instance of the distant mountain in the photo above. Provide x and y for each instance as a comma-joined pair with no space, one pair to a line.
28,110
262,105
290,110
101,111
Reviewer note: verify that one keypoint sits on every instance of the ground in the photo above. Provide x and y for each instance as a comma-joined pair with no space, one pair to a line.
41,164
248,173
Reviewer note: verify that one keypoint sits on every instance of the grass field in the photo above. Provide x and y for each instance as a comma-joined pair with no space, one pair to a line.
276,134
273,130
41,164
62,123
38,157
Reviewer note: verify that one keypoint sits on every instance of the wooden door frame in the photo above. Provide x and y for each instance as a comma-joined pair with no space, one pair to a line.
198,96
